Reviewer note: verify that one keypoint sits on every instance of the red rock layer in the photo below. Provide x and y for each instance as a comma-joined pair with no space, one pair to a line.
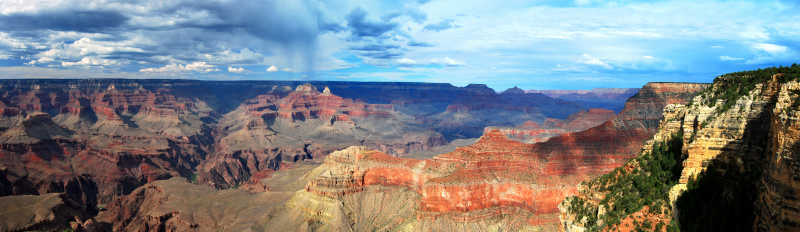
495,172
308,103
121,138
304,124
532,132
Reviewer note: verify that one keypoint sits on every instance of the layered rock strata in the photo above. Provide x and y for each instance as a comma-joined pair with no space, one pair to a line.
303,124
738,139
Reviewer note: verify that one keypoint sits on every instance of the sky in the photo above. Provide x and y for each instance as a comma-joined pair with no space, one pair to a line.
545,44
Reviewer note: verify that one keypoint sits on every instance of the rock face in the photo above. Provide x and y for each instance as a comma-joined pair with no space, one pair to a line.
608,98
737,170
777,203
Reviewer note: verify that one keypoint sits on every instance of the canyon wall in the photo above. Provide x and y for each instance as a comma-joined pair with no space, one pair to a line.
734,145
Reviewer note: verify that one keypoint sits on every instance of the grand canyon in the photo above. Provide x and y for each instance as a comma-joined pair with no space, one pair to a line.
140,155
426,115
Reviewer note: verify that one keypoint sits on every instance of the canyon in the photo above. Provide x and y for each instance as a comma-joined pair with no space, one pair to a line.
142,155
511,178
97,141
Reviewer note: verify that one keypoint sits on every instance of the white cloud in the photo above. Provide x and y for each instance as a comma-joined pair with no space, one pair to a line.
198,66
10,42
235,69
447,61
591,60
406,61
83,47
272,68
444,61
244,56
770,48
730,58
90,61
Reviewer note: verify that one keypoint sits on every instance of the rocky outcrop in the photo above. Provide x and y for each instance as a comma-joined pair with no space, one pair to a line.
644,110
46,212
735,142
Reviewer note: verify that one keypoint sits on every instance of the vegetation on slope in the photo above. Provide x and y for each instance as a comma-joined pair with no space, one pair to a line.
744,82
627,192
719,199
722,197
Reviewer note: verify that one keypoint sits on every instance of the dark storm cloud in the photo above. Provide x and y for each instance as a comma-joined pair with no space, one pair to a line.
361,27
64,20
293,25
440,26
279,21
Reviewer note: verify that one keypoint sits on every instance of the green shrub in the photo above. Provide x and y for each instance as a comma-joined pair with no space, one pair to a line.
627,193
742,83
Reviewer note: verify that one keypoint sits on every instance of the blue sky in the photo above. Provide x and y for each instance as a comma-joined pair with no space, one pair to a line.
531,44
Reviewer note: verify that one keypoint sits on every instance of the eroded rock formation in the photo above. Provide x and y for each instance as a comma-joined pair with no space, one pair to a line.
737,171
304,124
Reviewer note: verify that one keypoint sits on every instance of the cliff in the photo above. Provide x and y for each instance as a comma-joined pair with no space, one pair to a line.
724,165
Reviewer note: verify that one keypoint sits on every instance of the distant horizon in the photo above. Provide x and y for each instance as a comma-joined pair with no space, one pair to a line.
332,81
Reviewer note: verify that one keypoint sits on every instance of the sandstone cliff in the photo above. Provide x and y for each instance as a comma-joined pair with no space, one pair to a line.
733,145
